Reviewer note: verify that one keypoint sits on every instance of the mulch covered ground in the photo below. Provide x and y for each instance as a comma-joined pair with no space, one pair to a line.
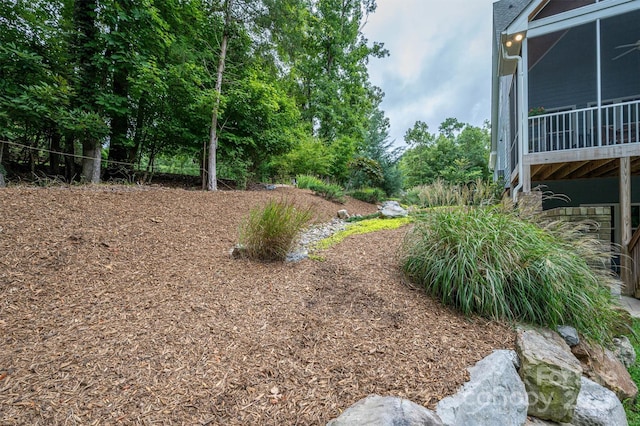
121,305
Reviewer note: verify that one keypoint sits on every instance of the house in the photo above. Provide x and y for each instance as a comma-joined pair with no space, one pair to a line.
566,110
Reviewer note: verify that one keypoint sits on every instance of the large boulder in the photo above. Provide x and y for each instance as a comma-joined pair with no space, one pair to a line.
494,395
392,209
550,372
598,406
376,410
603,367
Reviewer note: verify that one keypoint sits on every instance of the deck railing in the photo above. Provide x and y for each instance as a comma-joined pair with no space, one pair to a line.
591,127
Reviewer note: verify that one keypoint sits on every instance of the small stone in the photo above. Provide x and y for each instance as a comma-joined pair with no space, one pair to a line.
343,214
569,334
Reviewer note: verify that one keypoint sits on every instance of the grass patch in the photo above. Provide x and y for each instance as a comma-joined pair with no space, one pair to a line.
362,227
307,181
268,233
632,408
329,192
489,262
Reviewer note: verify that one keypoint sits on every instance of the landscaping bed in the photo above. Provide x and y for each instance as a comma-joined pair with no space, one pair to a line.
122,305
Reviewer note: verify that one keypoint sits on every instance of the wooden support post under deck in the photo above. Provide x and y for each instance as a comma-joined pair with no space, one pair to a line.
625,225
526,178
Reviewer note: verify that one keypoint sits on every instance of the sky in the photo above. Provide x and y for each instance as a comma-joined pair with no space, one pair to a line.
439,64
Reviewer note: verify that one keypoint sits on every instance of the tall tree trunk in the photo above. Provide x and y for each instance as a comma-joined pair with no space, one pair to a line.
54,157
119,120
212,178
92,157
69,160
85,50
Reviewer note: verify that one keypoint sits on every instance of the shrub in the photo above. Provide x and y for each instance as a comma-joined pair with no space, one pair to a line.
368,195
307,181
330,192
270,232
493,263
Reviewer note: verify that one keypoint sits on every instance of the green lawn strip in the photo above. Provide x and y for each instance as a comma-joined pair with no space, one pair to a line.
362,227
632,408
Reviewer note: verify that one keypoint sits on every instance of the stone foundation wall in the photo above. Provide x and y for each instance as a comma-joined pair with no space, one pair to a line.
600,215
601,228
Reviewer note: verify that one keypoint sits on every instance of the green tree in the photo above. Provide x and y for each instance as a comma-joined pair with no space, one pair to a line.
458,154
378,148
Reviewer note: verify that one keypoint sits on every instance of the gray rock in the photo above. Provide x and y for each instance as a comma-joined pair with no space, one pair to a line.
376,410
551,374
512,355
624,351
495,395
392,209
297,256
343,214
598,406
569,334
534,421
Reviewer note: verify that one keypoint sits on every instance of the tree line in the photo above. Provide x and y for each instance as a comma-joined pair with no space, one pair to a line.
246,89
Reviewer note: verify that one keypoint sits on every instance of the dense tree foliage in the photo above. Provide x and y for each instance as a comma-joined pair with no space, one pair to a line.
240,89
123,82
457,154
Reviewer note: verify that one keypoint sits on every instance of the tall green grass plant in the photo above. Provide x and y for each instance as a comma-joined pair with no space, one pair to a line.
268,233
490,262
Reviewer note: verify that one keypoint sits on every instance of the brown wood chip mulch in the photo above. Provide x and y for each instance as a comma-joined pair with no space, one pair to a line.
121,305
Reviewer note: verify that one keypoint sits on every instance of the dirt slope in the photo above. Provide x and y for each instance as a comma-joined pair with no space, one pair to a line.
121,305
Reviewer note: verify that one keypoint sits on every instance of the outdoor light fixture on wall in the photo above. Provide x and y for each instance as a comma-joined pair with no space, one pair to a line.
515,39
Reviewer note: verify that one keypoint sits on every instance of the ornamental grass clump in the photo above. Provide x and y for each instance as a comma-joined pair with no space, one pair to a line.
440,193
489,262
268,233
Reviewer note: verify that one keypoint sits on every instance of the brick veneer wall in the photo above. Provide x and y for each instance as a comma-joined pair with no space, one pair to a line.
600,215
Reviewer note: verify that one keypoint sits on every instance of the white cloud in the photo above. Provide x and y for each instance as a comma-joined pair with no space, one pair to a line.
440,62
